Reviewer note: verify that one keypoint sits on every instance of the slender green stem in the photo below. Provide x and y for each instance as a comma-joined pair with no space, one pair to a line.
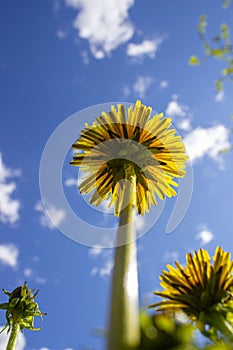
13,336
124,324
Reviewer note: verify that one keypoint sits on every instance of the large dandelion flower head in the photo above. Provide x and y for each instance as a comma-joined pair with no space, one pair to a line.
200,289
122,145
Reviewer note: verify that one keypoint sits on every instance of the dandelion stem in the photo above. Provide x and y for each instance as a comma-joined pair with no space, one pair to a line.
13,335
124,325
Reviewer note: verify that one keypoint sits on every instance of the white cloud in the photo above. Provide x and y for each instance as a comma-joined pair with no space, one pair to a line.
184,124
171,256
61,34
35,258
175,108
204,236
145,48
9,254
211,141
105,267
105,24
44,348
40,280
85,57
126,91
9,207
180,113
72,3
103,271
139,222
141,85
28,272
94,271
220,96
57,215
21,340
95,251
164,84
71,182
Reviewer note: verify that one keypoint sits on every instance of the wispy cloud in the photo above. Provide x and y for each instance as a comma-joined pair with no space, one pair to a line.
9,254
40,280
95,251
171,256
61,34
28,272
184,124
57,215
104,265
85,57
139,223
164,84
141,85
139,88
33,275
180,113
9,206
104,270
220,96
126,91
104,24
71,182
210,142
175,108
147,48
21,340
204,236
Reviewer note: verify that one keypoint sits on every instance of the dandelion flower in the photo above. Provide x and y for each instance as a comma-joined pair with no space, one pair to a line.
119,145
202,289
128,158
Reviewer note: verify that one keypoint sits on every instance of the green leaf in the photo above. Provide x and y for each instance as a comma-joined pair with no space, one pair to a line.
194,61
226,4
224,31
202,24
4,306
218,53
219,86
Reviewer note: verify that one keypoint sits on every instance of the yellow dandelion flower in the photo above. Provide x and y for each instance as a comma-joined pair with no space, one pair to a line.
119,145
203,289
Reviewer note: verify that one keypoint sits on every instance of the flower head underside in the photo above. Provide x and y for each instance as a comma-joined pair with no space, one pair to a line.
198,288
120,145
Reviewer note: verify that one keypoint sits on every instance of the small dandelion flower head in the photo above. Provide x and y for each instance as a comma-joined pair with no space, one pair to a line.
199,287
120,145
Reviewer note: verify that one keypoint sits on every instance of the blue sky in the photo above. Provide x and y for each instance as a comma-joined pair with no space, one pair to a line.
59,57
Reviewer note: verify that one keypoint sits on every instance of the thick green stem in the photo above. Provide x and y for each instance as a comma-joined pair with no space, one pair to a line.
124,323
13,336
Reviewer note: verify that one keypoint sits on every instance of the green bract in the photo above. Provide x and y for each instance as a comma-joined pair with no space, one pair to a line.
21,308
